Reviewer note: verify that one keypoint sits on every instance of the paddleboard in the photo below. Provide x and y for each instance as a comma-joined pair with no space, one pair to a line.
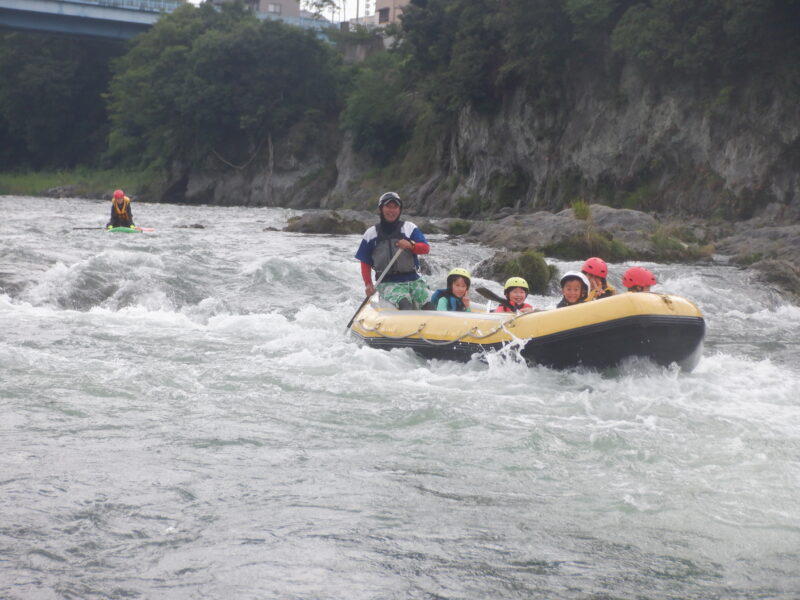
123,230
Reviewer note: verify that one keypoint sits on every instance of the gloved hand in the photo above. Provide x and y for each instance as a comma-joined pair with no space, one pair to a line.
109,227
132,226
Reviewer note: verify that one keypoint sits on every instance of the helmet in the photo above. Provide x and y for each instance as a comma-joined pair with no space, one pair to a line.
118,194
638,276
595,266
575,275
514,282
457,272
389,197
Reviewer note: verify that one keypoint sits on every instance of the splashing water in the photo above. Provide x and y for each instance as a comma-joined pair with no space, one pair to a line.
182,417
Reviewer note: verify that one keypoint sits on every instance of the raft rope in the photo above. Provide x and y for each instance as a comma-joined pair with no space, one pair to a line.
472,332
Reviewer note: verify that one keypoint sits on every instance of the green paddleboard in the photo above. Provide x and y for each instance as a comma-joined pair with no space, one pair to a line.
123,230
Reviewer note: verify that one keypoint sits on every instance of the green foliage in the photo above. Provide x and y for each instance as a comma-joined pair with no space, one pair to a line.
640,198
461,52
509,187
581,209
52,113
459,227
378,110
590,243
710,38
531,266
203,82
589,17
469,206
84,181
668,248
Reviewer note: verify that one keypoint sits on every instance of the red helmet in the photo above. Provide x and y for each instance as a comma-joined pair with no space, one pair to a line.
638,276
118,194
595,266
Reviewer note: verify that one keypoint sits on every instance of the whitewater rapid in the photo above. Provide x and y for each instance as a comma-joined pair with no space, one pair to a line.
182,416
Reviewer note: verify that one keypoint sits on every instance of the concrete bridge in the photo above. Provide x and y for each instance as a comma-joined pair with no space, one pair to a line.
121,19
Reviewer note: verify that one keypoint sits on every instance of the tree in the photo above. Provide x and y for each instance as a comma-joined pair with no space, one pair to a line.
51,106
203,82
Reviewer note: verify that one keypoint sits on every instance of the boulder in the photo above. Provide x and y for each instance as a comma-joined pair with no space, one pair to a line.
330,222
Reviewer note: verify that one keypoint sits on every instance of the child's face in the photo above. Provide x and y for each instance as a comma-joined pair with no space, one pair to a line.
459,287
572,290
517,295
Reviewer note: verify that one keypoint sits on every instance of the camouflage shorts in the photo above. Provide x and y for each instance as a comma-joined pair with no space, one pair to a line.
415,291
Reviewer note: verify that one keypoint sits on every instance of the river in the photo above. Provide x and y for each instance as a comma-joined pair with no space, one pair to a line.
182,416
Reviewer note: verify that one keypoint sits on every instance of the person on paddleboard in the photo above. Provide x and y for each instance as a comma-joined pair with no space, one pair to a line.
516,291
401,284
121,214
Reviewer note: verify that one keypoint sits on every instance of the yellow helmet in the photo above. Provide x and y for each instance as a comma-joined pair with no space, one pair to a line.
458,272
514,282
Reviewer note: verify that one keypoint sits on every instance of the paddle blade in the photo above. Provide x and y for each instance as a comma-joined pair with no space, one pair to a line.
490,295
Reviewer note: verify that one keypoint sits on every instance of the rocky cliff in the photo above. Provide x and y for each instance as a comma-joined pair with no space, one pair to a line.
679,150
676,149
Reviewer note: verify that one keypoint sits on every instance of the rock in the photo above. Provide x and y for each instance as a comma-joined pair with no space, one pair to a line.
749,246
529,265
331,222
64,191
783,275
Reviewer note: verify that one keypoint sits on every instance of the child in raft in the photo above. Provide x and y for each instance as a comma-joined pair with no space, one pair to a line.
515,290
638,279
574,287
596,271
456,295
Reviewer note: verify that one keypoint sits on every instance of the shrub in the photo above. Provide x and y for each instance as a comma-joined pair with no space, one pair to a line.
581,209
589,244
459,227
531,266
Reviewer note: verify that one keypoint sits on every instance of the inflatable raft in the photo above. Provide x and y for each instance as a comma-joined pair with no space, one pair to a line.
663,328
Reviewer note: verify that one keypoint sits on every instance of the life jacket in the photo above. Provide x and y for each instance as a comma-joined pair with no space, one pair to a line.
564,302
453,303
608,291
385,249
517,307
122,212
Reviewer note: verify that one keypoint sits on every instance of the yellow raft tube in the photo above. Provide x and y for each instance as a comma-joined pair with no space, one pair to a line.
663,328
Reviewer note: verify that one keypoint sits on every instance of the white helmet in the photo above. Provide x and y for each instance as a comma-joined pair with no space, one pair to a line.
575,275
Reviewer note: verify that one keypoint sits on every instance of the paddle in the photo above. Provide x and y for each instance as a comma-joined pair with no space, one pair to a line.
364,303
86,228
490,295
145,228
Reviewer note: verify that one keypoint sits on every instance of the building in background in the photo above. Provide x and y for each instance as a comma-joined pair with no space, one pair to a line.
389,11
286,9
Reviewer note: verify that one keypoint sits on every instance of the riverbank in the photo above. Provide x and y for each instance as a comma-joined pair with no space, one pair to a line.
768,244
76,183
765,244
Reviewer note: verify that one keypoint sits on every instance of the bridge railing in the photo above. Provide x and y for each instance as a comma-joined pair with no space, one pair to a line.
144,5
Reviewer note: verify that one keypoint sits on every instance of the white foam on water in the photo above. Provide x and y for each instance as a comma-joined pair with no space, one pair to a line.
196,390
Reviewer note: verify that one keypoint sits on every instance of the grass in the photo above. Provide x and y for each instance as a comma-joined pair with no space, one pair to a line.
581,209
86,182
459,227
590,243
